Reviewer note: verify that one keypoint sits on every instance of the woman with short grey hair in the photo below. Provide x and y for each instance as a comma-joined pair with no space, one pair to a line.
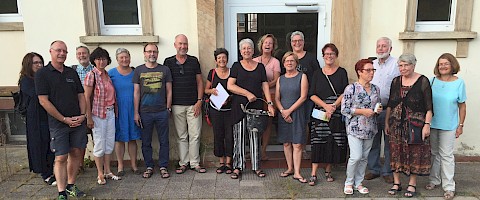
248,82
407,123
125,129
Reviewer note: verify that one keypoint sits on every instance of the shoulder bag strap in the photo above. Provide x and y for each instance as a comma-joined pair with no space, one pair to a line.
213,76
331,86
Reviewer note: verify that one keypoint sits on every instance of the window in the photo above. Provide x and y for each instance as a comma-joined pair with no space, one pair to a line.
10,11
439,20
435,15
119,17
122,21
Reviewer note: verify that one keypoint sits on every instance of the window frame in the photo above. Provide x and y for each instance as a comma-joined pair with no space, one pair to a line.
119,29
8,18
93,34
462,32
437,25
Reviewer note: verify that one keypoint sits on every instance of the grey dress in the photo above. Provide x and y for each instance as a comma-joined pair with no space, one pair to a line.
290,91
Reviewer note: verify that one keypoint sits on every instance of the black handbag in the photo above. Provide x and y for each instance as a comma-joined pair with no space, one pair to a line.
414,133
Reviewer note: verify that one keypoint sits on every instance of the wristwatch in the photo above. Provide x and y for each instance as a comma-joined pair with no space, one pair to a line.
169,109
270,103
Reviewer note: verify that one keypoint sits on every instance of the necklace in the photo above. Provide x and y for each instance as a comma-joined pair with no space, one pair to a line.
268,61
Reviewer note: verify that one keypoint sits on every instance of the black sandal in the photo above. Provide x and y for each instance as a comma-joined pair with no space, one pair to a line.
260,173
181,169
312,181
228,168
410,194
221,169
394,191
236,174
329,177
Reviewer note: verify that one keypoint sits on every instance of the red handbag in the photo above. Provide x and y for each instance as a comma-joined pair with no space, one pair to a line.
206,103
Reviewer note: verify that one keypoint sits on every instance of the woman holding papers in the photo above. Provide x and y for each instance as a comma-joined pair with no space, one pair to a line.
222,130
328,136
292,90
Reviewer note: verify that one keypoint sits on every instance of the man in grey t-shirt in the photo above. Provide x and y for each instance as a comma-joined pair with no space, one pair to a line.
152,107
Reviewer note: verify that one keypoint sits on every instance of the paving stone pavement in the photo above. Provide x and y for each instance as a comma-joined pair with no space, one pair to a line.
192,185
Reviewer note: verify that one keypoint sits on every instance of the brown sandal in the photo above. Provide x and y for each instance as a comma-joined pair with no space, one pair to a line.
148,173
164,172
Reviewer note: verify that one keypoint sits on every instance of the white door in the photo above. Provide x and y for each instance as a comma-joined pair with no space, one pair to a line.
254,18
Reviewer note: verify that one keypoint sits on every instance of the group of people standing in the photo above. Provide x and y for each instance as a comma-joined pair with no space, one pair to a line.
124,104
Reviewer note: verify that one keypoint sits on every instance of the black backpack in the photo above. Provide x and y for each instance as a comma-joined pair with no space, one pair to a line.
21,103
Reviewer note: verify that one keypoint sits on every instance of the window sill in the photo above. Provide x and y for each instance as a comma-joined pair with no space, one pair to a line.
119,39
453,35
462,37
11,26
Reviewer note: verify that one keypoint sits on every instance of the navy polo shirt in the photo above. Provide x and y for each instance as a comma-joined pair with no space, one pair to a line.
62,89
184,86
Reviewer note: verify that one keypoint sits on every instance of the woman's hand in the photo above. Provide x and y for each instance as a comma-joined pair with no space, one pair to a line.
251,97
285,113
214,91
271,111
330,108
288,119
368,112
459,131
90,122
425,131
387,128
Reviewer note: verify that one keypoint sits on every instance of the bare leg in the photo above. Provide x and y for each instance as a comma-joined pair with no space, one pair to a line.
297,159
229,160
221,160
60,170
120,152
132,152
314,169
287,150
72,167
99,162
266,138
106,164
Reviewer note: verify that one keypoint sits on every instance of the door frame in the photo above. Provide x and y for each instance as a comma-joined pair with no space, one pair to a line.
233,7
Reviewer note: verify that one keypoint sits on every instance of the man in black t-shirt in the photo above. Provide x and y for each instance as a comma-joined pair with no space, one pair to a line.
187,95
60,92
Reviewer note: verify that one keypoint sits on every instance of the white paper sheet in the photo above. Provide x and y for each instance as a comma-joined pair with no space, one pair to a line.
222,96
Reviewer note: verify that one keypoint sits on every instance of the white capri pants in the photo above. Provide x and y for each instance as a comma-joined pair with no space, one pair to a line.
104,133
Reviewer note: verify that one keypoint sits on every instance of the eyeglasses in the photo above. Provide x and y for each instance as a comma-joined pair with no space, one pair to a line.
330,54
369,70
38,63
182,70
59,50
299,41
151,52
100,59
444,64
